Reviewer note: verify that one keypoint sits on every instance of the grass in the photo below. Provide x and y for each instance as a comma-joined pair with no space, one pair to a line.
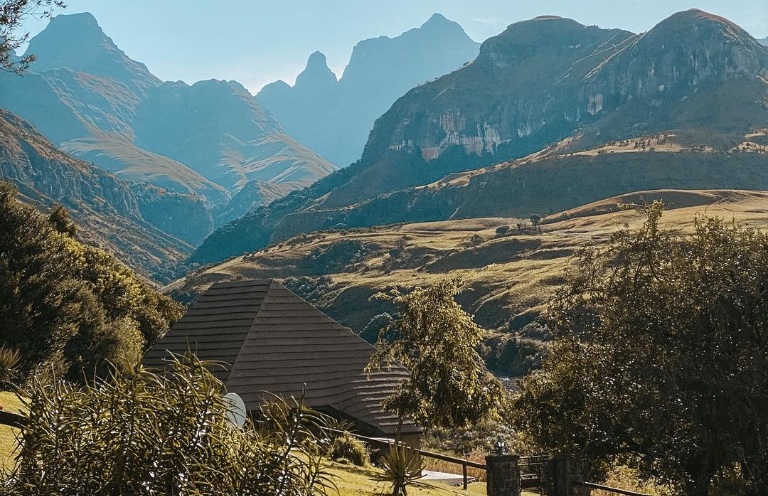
508,275
358,481
10,403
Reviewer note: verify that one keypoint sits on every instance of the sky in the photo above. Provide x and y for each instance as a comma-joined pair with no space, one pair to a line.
259,41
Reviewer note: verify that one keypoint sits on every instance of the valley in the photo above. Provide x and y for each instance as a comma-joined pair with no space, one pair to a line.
511,269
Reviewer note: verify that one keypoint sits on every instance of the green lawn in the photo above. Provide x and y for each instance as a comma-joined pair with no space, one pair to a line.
10,403
357,481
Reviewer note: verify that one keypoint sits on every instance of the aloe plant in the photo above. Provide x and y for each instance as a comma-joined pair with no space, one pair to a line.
401,466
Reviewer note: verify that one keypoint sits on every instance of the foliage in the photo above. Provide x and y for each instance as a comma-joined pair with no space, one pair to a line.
660,357
148,434
513,356
401,466
349,448
9,363
13,13
61,221
68,305
435,339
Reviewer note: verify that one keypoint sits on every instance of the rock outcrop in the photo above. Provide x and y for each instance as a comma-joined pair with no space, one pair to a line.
108,212
335,117
551,87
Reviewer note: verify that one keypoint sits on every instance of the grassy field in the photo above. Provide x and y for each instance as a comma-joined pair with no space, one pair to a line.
10,403
510,275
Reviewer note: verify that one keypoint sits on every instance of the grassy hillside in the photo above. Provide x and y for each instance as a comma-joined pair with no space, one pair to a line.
511,272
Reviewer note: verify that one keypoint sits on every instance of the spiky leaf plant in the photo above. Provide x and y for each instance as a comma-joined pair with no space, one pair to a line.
401,466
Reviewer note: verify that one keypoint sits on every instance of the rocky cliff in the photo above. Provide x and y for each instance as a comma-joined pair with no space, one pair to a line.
335,117
96,103
696,79
107,211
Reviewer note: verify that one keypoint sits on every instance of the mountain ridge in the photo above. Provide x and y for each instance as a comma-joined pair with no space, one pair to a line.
89,98
542,83
107,210
335,117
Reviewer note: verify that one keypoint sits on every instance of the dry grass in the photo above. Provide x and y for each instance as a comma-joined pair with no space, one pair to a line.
452,468
509,275
10,403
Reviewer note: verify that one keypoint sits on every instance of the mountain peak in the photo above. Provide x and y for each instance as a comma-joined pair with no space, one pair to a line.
436,19
77,42
317,74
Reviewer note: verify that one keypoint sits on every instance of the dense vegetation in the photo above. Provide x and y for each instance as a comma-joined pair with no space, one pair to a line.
67,307
660,358
148,434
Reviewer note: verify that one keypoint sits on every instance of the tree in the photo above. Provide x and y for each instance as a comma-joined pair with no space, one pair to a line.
67,305
12,15
435,340
660,357
535,220
61,221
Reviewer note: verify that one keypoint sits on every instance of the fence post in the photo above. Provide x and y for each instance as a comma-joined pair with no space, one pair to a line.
564,477
503,474
464,470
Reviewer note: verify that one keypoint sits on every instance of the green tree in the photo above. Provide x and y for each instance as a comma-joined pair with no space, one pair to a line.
435,339
61,221
68,305
660,357
12,15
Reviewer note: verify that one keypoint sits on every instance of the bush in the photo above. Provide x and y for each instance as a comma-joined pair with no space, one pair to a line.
146,434
9,362
349,448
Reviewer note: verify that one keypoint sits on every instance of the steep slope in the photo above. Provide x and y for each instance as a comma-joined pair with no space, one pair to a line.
219,130
695,81
108,212
335,117
93,101
78,43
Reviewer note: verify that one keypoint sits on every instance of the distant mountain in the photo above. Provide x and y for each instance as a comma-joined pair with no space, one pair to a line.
335,117
218,129
110,214
764,41
208,140
598,113
77,42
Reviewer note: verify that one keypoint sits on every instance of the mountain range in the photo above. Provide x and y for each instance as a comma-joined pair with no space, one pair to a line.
334,117
210,139
552,114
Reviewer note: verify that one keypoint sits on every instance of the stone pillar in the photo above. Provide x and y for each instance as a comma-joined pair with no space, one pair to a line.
503,475
563,477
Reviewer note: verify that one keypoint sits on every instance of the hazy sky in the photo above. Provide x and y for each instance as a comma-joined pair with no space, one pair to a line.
259,41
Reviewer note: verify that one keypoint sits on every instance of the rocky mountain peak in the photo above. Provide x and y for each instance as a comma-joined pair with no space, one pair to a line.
317,74
77,42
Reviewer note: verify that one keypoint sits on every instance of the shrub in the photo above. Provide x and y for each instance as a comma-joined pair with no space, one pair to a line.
347,447
401,466
501,230
148,434
9,362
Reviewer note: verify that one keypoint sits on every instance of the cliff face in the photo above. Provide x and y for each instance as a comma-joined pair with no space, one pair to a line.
547,82
105,208
335,117
206,140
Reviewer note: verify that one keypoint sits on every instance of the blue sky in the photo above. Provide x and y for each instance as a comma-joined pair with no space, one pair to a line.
259,41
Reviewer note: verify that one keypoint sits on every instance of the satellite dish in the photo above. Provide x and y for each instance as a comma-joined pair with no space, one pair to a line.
236,413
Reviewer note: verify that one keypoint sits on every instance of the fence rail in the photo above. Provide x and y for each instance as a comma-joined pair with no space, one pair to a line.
428,454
